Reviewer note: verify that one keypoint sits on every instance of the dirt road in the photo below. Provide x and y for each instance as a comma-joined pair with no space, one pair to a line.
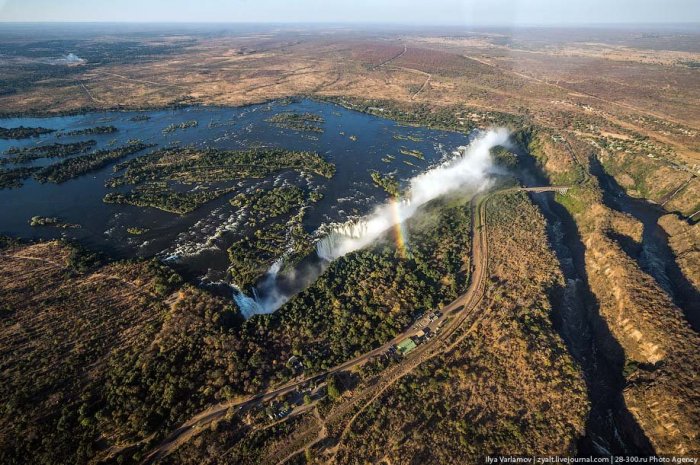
454,313
396,57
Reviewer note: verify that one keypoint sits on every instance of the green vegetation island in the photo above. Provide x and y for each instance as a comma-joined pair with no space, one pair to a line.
387,182
136,231
55,150
15,177
409,137
297,121
140,118
22,132
158,196
52,221
275,218
412,153
77,166
91,131
152,174
184,125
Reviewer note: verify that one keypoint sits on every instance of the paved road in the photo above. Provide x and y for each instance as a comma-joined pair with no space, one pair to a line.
454,313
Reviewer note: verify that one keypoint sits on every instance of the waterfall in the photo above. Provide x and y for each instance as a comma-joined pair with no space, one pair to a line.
249,306
470,169
272,297
327,248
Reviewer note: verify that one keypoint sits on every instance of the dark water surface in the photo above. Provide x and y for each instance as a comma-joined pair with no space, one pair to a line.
197,241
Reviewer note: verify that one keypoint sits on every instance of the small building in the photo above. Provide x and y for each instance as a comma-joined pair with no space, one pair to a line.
406,346
295,364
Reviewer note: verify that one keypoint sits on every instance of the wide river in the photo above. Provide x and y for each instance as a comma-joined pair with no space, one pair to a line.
197,242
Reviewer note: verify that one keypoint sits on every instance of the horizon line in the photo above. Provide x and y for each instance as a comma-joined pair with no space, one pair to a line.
372,23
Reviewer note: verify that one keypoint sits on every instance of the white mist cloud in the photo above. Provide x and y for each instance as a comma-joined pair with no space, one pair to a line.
273,298
469,170
268,295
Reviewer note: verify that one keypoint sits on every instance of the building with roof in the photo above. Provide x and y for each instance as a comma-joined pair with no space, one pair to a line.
406,346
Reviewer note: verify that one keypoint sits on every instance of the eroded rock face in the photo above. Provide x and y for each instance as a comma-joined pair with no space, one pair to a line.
652,178
684,198
659,345
664,404
629,311
684,240
639,317
627,225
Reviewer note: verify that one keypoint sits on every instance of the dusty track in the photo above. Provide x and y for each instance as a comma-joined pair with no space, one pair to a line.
427,81
396,57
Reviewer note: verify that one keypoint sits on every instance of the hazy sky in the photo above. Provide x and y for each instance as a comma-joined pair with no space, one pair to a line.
468,12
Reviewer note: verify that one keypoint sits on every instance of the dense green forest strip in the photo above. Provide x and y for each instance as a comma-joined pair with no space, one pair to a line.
472,398
23,132
451,118
74,167
56,150
192,165
11,178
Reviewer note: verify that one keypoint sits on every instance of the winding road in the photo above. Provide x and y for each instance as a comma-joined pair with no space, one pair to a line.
453,315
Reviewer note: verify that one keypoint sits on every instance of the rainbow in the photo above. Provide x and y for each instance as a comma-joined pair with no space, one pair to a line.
400,235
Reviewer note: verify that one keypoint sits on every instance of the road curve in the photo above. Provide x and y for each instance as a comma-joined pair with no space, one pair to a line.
463,306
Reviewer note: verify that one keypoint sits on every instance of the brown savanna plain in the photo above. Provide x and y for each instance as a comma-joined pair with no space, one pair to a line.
579,101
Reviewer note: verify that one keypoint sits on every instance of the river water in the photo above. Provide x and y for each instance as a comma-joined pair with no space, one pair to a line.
196,243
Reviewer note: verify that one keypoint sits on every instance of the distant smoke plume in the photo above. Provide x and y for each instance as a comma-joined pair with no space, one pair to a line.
467,171
70,59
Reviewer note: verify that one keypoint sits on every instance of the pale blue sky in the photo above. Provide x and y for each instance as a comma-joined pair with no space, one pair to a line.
467,12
